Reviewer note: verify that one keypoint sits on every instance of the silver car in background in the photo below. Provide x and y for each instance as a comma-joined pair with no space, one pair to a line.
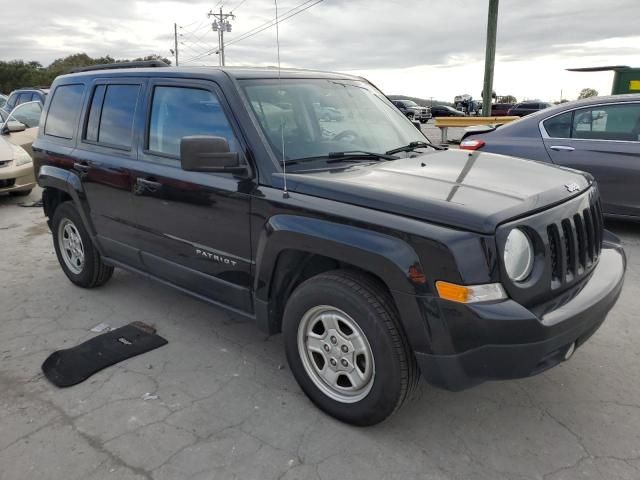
600,135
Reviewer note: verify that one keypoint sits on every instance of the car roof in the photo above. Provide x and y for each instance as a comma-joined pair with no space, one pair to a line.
216,72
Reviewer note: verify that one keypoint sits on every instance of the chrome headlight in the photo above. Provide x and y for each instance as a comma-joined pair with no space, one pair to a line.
518,255
20,155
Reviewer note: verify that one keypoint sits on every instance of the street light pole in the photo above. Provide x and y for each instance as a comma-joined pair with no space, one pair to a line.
490,57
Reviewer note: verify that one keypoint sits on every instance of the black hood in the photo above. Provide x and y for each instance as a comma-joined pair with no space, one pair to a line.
468,190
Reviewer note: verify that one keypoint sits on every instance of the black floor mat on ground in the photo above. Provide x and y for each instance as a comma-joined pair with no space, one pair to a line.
65,368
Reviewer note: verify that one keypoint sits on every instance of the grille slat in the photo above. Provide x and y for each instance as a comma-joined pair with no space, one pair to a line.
574,244
554,252
582,240
591,241
569,248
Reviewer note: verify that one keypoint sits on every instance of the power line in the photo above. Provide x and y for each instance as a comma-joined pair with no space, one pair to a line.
238,6
254,31
271,23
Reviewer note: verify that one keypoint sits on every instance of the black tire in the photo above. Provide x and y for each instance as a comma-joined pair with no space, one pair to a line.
20,193
424,120
371,307
94,272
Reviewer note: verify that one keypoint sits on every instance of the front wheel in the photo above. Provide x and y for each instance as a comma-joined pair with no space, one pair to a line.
77,255
345,347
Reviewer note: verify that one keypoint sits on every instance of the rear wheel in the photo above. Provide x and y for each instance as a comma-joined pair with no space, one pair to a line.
76,253
345,347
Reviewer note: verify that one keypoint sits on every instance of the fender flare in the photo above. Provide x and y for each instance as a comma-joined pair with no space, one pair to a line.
389,258
68,182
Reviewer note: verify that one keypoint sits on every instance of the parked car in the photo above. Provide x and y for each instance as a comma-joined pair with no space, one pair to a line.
18,130
600,135
501,109
526,108
379,256
445,111
24,95
413,111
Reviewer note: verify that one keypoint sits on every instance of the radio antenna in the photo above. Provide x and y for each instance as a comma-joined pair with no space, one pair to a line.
285,193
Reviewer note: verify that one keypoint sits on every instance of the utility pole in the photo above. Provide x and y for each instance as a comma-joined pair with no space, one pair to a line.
175,41
220,25
490,57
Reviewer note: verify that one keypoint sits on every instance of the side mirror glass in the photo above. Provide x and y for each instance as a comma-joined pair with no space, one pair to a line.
209,154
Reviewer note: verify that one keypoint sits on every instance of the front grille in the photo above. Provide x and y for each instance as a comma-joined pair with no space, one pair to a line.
5,163
10,182
574,244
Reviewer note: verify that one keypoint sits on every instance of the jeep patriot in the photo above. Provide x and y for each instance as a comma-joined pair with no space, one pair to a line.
381,257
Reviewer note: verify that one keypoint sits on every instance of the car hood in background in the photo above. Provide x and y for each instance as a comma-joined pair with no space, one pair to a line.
6,151
468,190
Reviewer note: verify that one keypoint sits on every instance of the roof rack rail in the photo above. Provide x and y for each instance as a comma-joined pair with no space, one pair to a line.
35,87
110,66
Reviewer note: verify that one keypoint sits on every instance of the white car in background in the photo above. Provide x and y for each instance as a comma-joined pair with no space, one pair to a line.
18,130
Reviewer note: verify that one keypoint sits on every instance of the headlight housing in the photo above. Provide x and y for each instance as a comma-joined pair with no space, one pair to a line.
518,255
21,156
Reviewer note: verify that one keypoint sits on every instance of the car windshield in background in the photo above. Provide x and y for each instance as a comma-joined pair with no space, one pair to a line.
317,117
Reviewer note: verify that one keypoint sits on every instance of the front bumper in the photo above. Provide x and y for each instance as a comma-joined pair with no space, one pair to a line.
17,178
519,342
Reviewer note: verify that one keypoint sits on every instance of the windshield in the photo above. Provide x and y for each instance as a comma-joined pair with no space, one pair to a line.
316,117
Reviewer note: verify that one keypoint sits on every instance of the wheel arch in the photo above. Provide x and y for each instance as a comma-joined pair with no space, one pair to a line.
292,249
60,185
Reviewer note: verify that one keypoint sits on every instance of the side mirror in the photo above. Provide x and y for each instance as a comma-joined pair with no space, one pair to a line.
15,126
203,153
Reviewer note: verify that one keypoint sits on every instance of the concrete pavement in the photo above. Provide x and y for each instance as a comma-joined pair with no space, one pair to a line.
218,402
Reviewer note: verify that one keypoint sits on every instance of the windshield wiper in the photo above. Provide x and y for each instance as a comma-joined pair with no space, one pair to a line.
412,146
356,155
348,156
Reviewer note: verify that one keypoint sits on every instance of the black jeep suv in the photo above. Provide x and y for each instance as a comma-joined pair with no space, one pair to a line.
379,256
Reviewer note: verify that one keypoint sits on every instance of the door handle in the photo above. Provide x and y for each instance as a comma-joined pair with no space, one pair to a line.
561,148
149,185
81,167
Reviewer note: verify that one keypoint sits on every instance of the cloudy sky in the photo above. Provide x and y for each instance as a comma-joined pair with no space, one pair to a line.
425,48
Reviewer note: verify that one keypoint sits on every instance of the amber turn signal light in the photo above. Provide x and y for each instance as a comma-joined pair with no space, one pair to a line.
470,293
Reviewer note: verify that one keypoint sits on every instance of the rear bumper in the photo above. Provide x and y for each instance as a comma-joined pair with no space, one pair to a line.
521,342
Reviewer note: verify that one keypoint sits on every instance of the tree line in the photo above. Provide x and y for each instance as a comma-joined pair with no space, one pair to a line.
18,73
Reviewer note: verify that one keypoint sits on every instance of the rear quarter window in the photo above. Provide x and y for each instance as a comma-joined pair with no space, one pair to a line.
64,111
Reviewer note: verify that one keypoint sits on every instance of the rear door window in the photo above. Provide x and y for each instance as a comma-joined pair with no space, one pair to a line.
111,115
64,110
559,126
24,97
619,122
